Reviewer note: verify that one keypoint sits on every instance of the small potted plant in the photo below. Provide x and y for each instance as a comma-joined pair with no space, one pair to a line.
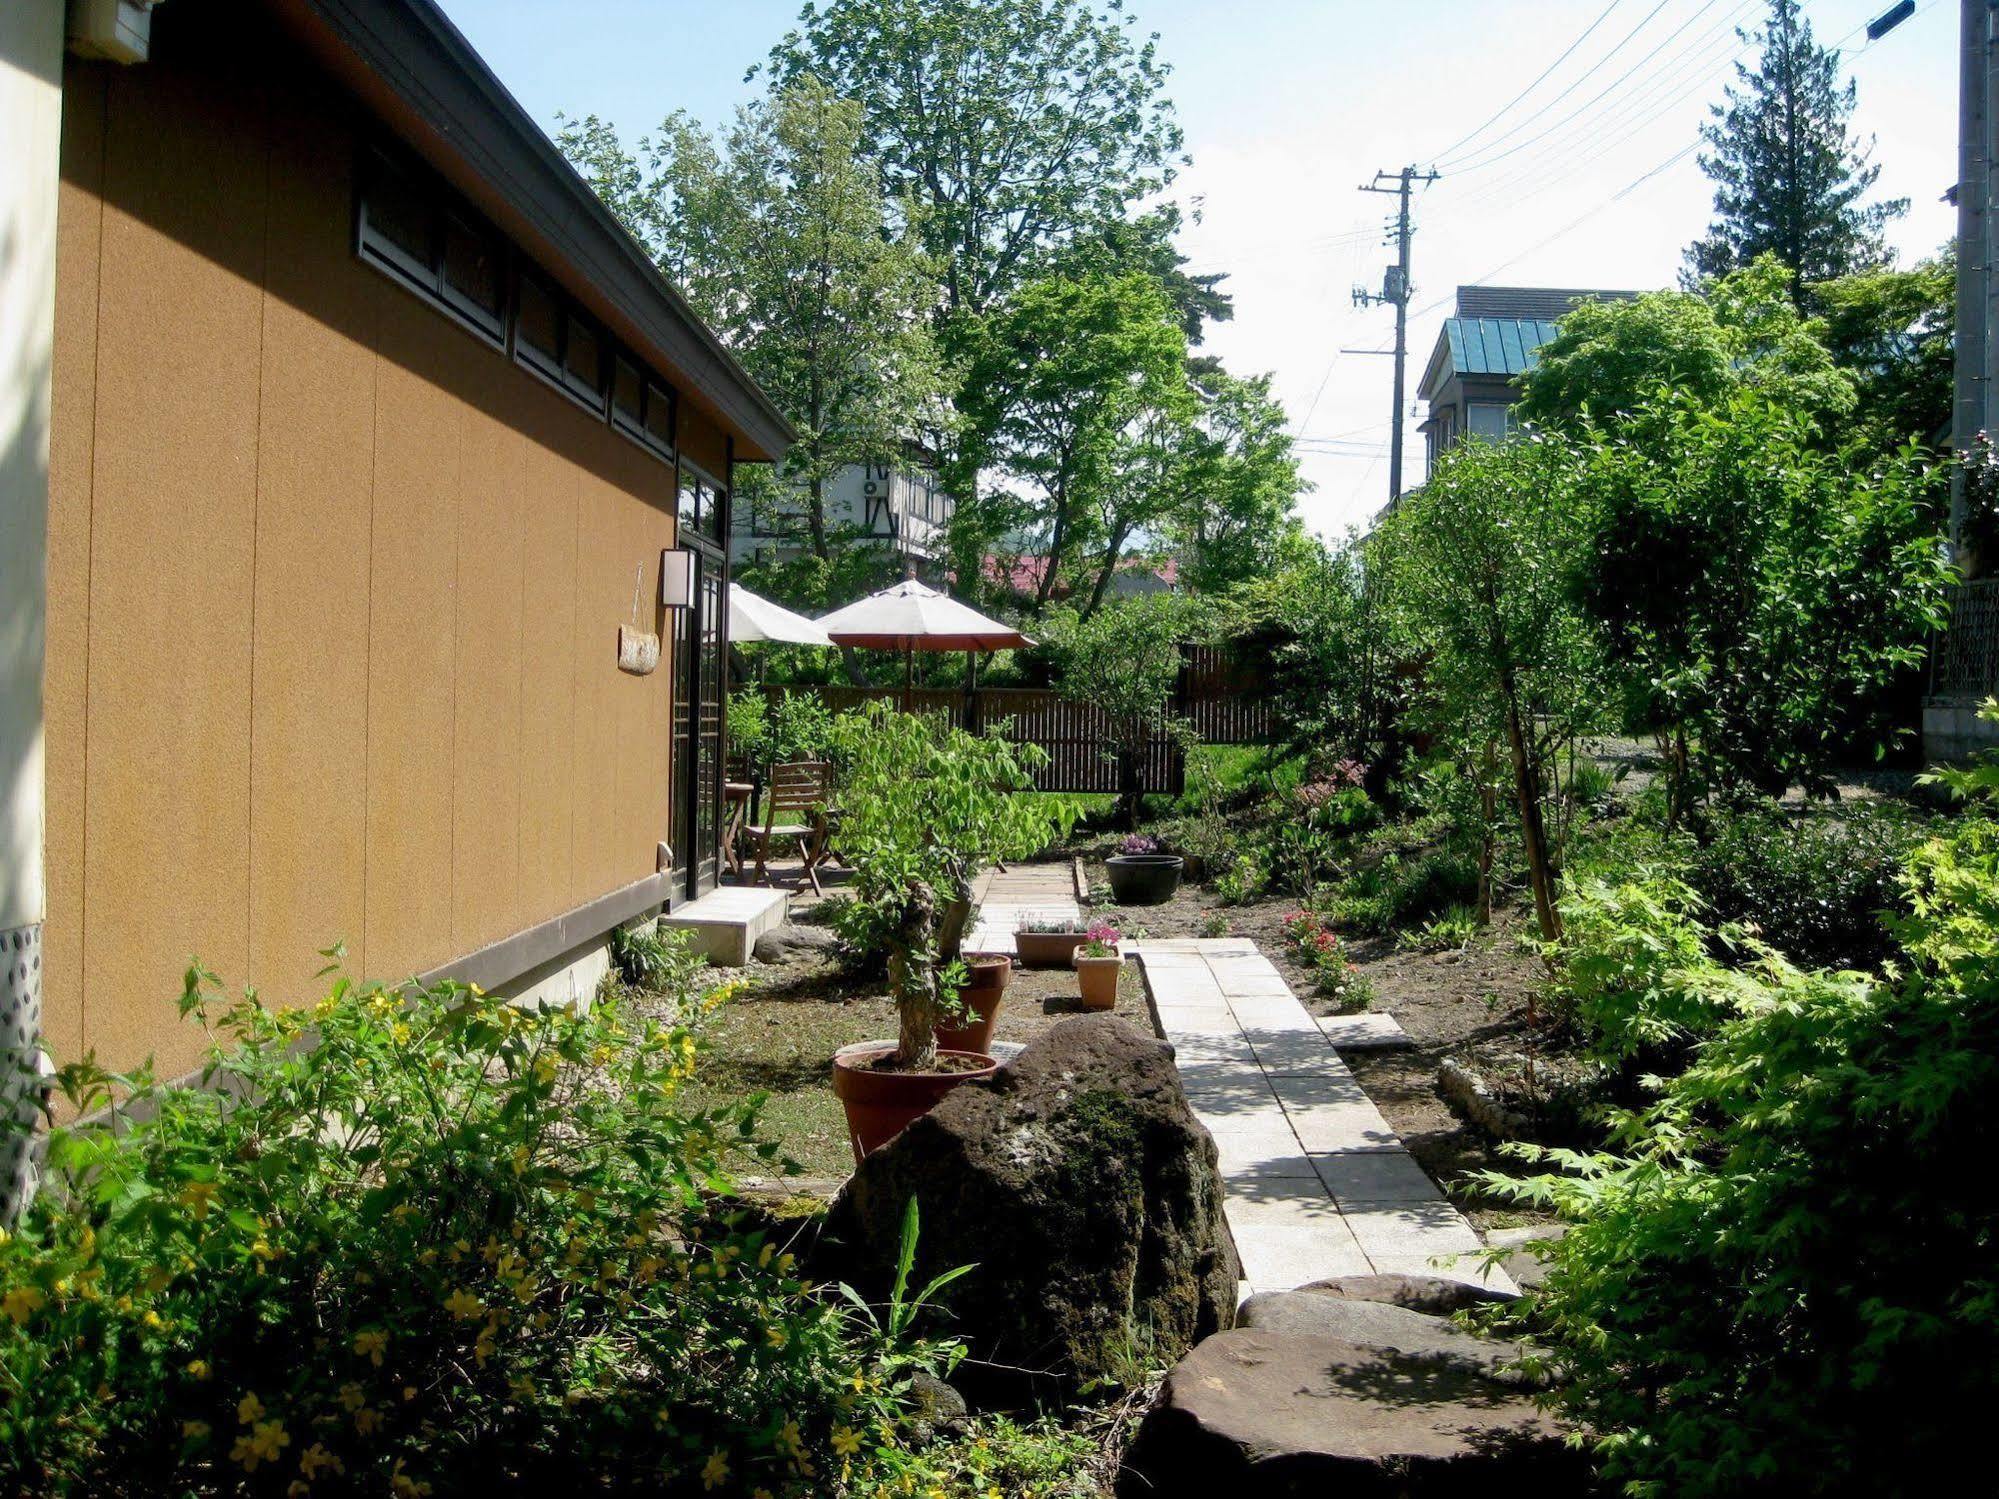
924,807
1098,964
1047,944
1142,874
967,1019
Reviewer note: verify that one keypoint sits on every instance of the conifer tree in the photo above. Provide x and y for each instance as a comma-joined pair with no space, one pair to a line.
1789,174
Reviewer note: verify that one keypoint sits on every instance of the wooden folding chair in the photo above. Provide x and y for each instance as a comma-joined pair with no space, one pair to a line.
795,800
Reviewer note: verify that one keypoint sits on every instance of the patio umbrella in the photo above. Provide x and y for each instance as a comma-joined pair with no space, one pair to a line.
754,618
910,618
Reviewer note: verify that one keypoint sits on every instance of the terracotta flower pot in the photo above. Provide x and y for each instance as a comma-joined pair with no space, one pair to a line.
1098,979
880,1104
1046,949
981,996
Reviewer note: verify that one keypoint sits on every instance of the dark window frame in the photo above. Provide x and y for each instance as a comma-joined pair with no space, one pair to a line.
500,329
427,278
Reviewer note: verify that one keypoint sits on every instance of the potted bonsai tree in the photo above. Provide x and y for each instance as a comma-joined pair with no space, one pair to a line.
1098,964
923,808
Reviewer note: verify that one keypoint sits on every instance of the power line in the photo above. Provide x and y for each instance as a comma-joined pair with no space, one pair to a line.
1477,166
1687,71
1493,118
1575,83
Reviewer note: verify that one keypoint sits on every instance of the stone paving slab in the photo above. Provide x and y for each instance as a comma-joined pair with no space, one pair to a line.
1316,1182
1369,1031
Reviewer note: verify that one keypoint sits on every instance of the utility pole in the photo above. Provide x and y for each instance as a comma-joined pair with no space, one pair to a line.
1395,289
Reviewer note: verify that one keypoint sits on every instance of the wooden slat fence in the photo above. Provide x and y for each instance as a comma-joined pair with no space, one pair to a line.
1077,736
1226,699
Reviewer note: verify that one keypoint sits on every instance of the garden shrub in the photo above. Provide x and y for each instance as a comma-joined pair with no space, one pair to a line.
1815,887
422,1240
1786,1276
1392,890
1630,962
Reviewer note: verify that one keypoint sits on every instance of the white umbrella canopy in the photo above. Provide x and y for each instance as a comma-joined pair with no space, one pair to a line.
911,617
753,618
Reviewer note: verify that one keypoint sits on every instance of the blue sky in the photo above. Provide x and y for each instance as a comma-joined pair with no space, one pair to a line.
1289,104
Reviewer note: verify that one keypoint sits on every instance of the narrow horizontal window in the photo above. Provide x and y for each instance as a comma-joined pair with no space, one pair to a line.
628,392
475,273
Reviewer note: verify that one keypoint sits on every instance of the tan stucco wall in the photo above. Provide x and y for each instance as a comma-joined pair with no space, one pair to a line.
334,589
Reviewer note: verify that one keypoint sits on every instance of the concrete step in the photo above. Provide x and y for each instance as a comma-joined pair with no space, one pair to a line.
724,924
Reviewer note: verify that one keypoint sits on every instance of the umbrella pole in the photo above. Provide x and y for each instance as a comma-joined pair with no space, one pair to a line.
908,676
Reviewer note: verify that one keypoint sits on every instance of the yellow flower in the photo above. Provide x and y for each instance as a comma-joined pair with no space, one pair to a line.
198,1369
463,1305
249,1408
315,1458
399,1033
352,1397
371,1343
776,1336
366,1419
194,1430
262,1443
406,1487
22,1302
153,1319
846,1441
198,1198
715,1472
544,1071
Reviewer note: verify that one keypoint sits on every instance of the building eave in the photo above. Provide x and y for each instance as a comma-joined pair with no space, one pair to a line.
407,61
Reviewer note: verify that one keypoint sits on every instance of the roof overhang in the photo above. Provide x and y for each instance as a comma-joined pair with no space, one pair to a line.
409,64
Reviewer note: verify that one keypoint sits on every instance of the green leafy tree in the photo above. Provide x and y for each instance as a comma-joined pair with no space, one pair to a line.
1481,567
1332,663
1743,328
1068,379
779,236
1235,515
1756,589
1010,125
1789,175
1125,660
1891,331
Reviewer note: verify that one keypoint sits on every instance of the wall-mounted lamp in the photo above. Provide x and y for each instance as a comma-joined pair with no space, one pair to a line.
676,578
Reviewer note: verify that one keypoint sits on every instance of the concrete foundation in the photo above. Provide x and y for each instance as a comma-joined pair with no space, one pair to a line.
1953,732
723,925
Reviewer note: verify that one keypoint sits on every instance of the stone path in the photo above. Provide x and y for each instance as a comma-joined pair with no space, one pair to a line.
1317,1183
1006,897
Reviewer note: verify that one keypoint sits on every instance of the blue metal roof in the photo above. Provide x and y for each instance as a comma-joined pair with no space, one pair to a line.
1495,346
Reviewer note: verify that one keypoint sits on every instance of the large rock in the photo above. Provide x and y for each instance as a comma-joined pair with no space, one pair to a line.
783,944
1433,1294
1083,1190
1254,1411
1378,1324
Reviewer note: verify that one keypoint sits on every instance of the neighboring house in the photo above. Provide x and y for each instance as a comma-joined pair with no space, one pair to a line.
896,506
346,432
1021,576
1473,378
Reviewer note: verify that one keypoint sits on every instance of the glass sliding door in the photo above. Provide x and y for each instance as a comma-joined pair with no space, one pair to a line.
700,691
